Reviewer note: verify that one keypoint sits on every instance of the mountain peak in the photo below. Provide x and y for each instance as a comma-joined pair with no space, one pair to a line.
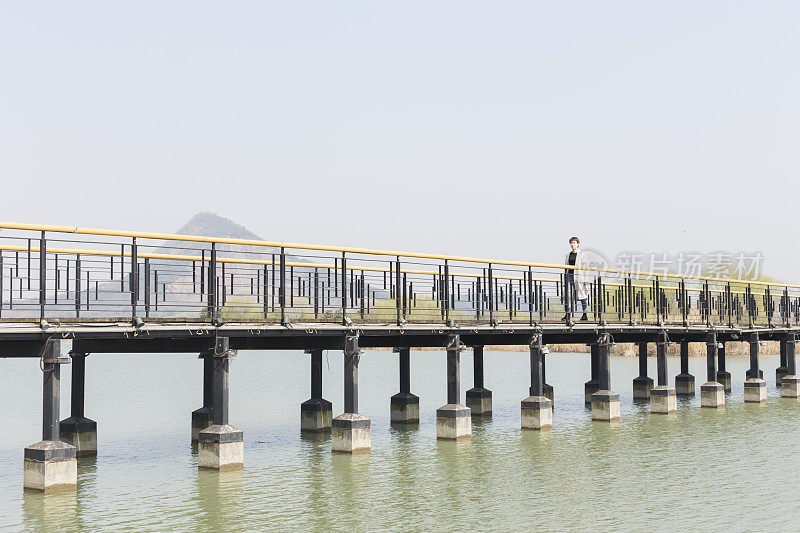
212,225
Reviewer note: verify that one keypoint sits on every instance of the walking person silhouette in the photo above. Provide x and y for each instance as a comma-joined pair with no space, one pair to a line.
575,281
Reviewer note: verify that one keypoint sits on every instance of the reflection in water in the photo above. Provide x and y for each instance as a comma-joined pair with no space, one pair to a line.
218,497
58,510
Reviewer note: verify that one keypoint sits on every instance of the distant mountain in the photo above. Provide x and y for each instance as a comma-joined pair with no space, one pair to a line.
212,225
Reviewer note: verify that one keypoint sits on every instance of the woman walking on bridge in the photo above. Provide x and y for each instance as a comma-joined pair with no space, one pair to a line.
575,281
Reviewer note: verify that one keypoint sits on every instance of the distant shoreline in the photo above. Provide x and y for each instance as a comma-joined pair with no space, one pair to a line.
627,349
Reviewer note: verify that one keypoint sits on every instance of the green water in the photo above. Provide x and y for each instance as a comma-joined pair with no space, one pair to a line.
734,468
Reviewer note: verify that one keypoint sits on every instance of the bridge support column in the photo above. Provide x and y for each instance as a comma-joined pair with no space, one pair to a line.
203,417
723,376
316,413
605,403
783,369
537,410
50,464
220,446
350,431
547,389
453,420
684,382
642,384
78,430
755,389
479,399
790,385
404,406
662,398
712,393
593,385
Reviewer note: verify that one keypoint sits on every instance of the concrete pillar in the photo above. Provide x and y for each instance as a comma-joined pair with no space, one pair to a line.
316,413
605,403
479,398
783,369
790,385
593,385
50,464
712,393
684,382
404,406
547,389
642,383
78,430
537,410
220,446
350,431
453,420
203,417
755,389
662,398
723,376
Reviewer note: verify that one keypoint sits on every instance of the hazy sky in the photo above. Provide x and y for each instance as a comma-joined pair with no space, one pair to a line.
493,129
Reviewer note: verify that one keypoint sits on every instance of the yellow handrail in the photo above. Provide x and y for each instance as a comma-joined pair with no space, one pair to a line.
367,251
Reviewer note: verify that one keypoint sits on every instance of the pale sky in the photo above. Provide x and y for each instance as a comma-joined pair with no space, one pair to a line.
490,129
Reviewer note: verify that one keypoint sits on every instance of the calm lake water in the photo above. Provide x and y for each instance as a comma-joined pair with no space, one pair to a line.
735,468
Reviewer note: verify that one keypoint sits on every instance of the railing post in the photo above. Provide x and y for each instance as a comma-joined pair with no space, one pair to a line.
786,308
768,306
530,297
397,291
344,290
282,286
212,284
147,287
77,285
446,292
42,274
134,285
491,296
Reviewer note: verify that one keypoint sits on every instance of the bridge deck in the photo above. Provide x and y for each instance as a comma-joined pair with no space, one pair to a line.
25,340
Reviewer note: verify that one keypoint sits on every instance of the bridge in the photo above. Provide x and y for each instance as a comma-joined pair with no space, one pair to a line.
67,292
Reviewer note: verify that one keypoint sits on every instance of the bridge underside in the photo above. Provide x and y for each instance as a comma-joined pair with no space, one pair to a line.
23,340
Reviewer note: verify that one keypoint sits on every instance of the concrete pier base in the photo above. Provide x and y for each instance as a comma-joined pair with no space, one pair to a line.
316,415
201,419
351,433
724,378
641,387
712,394
605,406
663,400
80,432
479,401
755,390
790,387
684,385
404,408
453,422
537,413
780,373
221,447
50,465
589,388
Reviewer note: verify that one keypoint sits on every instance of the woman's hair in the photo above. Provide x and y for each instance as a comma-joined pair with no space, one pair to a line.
575,239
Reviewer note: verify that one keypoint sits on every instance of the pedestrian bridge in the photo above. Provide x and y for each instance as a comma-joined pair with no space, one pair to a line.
93,291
